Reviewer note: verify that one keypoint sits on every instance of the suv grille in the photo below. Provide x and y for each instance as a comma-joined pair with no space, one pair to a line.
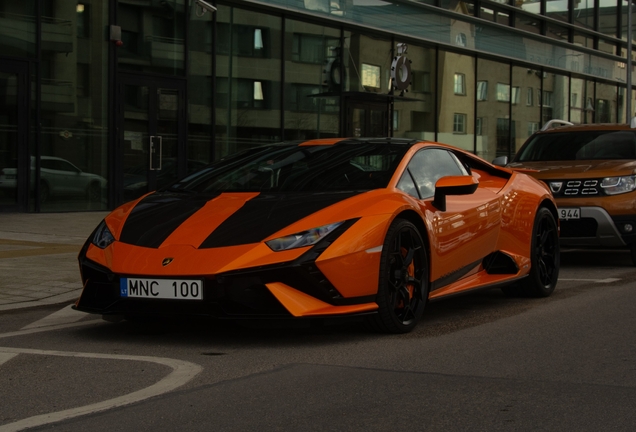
574,188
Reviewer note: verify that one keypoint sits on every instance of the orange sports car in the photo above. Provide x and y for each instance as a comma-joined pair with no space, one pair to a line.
325,228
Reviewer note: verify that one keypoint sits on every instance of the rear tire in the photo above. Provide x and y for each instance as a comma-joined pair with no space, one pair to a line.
545,256
403,285
632,248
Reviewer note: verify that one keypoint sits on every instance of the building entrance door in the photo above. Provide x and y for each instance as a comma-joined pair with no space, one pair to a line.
14,169
367,119
151,150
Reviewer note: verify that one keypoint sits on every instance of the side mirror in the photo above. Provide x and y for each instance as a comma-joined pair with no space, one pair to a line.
453,185
501,161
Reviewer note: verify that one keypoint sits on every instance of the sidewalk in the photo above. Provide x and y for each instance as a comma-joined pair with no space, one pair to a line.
38,256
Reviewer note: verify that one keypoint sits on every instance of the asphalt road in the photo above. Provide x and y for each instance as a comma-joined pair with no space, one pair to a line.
479,362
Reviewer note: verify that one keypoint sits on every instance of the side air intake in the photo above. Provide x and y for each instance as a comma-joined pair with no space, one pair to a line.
500,263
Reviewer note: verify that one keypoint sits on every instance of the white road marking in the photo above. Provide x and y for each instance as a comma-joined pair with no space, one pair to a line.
51,328
182,372
607,280
5,357
63,316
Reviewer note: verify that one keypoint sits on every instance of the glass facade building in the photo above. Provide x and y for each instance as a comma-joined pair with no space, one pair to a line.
102,101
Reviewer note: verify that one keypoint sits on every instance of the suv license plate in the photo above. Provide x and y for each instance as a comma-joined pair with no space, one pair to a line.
175,289
569,213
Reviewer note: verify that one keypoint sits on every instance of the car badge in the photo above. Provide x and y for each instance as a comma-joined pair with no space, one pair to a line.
166,261
555,187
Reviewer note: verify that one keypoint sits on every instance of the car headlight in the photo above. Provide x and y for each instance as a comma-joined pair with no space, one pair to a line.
102,237
301,239
618,185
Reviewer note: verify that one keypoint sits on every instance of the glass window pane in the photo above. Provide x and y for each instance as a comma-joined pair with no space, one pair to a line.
528,22
73,108
584,13
495,136
557,9
153,36
606,97
525,114
417,114
452,66
200,98
18,29
312,81
247,98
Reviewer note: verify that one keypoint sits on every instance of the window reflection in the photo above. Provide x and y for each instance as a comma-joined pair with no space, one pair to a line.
153,36
457,92
312,80
73,162
248,71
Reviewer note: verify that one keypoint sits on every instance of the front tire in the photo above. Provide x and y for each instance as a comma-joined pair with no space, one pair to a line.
403,285
545,256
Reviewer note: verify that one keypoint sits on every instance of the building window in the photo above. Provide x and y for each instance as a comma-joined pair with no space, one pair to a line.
396,120
478,126
532,127
460,84
602,111
503,92
515,95
459,123
247,41
482,90
460,40
574,100
308,48
421,82
503,135
529,96
370,76
83,24
547,99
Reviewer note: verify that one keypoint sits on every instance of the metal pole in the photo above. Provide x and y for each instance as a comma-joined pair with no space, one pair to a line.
628,92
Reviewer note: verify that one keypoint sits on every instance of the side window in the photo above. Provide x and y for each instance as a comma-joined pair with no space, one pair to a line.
429,165
407,185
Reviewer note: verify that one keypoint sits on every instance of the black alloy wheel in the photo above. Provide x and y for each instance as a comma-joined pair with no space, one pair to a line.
545,256
403,284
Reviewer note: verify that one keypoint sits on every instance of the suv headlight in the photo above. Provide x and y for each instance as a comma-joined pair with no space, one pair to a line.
102,237
301,239
618,185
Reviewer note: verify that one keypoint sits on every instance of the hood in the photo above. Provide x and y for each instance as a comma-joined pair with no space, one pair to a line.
579,168
228,219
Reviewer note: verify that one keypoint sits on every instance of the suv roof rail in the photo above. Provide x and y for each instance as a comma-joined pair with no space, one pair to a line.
551,123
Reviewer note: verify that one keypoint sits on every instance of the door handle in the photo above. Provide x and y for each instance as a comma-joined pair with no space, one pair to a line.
155,153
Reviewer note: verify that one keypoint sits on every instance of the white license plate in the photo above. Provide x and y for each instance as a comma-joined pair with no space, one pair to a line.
175,289
569,213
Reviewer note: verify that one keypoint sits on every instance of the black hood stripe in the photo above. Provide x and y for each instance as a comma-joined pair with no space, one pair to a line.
264,215
155,217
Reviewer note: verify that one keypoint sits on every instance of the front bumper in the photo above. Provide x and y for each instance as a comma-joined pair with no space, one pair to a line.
294,289
596,228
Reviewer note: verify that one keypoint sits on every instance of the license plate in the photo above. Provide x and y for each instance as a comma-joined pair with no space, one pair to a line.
175,289
569,213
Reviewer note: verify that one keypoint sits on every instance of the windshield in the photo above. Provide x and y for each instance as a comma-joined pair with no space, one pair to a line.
584,145
293,168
